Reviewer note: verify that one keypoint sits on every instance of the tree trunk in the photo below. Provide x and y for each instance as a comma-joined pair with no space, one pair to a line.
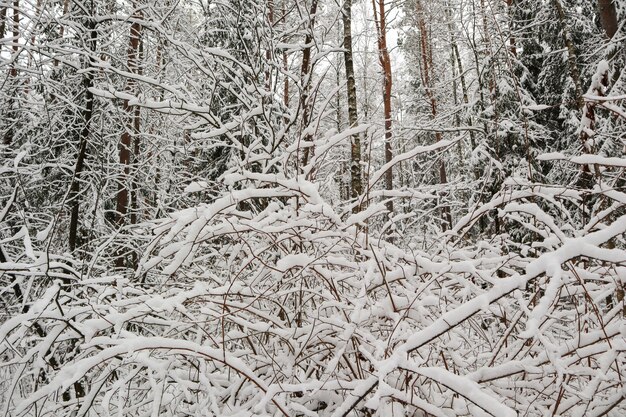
427,64
134,195
571,53
16,37
3,19
512,41
305,70
268,51
132,125
356,185
12,72
385,63
66,6
285,63
73,197
608,16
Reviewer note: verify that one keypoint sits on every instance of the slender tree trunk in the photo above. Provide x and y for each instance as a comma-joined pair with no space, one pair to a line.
285,63
3,19
12,72
134,195
385,63
427,64
356,185
488,53
16,37
268,51
66,7
126,138
16,30
608,16
74,198
305,70
571,53
512,41
456,60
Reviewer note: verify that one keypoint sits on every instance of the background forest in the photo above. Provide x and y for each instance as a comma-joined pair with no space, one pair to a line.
312,208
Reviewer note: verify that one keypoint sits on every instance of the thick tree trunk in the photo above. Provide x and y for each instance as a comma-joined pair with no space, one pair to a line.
385,63
608,16
356,185
131,127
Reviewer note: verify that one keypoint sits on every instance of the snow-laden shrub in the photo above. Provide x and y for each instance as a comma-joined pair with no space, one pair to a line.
289,309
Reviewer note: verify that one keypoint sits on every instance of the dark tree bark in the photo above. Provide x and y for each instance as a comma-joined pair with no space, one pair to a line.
512,41
16,36
356,185
268,51
3,19
73,198
12,72
305,70
133,123
608,16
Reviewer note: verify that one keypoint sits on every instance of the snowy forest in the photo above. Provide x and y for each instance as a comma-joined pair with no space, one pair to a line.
312,208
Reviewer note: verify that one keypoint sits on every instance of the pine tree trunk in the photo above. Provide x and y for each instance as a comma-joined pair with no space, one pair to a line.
356,185
608,16
385,63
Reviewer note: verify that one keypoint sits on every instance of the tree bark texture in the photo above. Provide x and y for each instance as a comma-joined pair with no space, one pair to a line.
608,16
3,19
16,37
74,195
305,70
385,63
132,125
356,185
